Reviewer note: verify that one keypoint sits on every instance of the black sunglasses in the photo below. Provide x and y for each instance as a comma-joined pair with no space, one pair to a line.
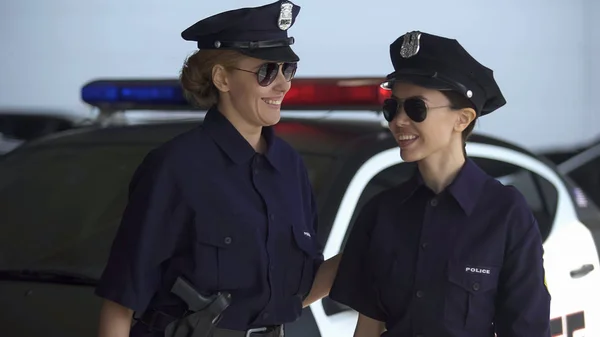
267,73
415,109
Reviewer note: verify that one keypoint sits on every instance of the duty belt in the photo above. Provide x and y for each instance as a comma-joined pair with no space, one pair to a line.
158,321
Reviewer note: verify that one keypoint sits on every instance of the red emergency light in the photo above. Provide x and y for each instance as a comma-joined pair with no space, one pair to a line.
340,94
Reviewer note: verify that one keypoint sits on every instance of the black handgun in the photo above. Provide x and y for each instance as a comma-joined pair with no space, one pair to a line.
194,300
205,311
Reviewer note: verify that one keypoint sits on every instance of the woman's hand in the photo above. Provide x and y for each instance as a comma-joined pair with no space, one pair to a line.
323,280
115,320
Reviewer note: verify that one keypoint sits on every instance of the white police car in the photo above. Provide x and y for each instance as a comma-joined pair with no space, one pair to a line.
62,198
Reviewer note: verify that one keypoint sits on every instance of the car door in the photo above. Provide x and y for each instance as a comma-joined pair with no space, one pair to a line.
569,248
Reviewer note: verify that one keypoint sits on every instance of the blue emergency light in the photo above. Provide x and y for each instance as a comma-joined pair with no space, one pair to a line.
134,94
305,94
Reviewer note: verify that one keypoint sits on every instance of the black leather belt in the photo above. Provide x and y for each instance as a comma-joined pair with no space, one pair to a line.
158,321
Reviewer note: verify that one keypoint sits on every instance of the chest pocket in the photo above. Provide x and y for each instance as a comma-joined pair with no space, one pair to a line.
300,271
224,255
470,295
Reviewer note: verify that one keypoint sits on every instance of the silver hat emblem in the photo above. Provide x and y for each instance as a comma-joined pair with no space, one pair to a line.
285,16
411,44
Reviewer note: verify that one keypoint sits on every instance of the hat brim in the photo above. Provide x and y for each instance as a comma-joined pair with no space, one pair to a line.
424,81
276,54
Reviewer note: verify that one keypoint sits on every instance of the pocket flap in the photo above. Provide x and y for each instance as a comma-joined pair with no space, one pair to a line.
219,234
474,278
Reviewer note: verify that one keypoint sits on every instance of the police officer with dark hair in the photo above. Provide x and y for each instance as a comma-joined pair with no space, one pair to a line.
227,207
451,252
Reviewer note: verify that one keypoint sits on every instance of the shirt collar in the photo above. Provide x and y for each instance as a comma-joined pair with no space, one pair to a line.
466,187
412,185
235,146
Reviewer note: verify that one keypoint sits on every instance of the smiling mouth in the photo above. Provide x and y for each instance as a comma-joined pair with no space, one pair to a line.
406,140
273,102
407,137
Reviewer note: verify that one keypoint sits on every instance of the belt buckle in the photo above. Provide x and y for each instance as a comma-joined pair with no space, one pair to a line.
255,330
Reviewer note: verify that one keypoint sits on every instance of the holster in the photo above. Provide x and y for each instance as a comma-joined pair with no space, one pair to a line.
200,323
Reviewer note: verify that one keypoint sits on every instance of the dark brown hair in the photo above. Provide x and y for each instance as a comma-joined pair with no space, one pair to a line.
457,102
196,75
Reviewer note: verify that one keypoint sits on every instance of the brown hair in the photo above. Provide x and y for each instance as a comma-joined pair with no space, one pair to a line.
196,75
457,102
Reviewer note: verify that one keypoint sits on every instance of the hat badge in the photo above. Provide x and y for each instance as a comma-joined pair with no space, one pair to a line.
285,16
410,44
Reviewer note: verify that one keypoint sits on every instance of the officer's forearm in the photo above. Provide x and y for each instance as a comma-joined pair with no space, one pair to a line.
368,327
115,320
323,280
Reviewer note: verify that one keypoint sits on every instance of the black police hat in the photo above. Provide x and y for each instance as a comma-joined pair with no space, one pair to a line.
259,32
440,63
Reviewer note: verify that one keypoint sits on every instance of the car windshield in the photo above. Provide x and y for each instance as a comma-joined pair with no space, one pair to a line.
61,204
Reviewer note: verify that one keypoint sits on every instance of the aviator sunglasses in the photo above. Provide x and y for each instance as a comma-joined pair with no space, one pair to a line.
267,72
415,108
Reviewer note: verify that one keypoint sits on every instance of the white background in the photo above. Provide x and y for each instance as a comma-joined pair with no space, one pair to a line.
545,53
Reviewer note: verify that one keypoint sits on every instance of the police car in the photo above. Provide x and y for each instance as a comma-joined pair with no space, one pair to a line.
62,198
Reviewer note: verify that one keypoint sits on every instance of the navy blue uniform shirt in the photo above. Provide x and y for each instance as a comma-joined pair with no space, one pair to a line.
466,262
207,207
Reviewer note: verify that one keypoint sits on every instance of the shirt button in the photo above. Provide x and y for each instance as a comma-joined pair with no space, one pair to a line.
433,202
255,172
227,240
424,245
265,315
420,294
475,286
272,216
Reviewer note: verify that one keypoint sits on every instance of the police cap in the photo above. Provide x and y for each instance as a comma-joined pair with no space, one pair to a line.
440,63
259,32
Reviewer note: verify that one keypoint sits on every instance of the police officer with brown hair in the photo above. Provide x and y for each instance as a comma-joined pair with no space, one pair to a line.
452,252
226,206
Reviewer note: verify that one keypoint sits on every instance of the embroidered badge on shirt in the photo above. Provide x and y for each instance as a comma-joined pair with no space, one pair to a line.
475,270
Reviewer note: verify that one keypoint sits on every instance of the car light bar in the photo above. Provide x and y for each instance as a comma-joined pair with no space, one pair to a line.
305,94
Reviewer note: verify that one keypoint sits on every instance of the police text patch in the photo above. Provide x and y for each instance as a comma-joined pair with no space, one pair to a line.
476,270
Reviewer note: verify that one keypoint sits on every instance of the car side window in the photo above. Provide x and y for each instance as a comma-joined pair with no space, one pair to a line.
587,177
